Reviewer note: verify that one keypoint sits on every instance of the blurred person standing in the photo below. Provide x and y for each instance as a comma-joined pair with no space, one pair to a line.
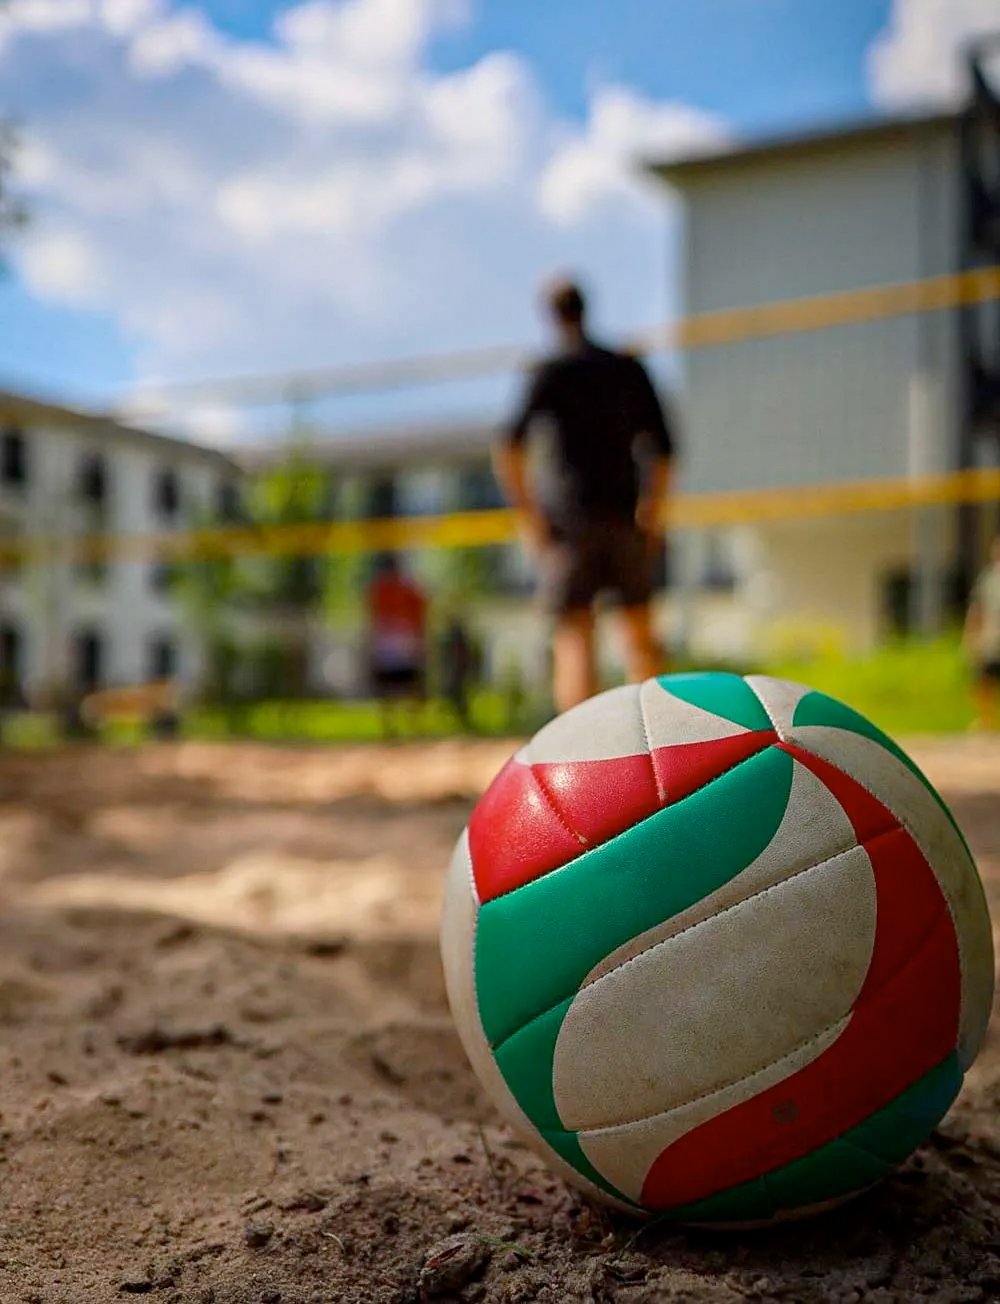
982,640
397,640
459,664
597,526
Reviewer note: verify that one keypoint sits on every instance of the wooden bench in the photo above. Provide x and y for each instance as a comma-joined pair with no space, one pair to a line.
155,705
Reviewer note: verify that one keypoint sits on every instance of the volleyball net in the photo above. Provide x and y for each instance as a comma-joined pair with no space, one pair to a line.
808,416
828,318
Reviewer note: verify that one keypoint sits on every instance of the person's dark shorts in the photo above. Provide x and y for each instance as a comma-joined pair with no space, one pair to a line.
597,558
990,670
397,681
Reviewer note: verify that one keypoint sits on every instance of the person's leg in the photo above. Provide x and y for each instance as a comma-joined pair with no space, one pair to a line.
574,658
416,695
411,709
384,716
643,653
630,561
568,588
987,699
458,699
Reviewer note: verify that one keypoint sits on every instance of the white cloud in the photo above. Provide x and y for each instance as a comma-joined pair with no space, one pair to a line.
919,57
122,16
48,15
62,265
322,196
223,427
353,59
599,164
163,47
366,33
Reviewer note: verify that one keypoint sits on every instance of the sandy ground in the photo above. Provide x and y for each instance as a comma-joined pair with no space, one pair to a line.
229,1075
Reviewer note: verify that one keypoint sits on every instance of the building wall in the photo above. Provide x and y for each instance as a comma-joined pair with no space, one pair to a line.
866,400
827,584
837,403
53,599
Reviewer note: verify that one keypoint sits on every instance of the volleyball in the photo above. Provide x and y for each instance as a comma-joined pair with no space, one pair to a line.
717,949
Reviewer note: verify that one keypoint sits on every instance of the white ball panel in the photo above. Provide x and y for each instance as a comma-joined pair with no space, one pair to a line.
719,1001
779,698
625,1154
671,721
813,828
900,791
602,728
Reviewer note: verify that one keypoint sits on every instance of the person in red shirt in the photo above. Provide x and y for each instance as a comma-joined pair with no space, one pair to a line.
397,638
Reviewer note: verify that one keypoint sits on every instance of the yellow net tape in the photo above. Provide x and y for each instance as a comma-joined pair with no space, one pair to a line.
697,331
485,528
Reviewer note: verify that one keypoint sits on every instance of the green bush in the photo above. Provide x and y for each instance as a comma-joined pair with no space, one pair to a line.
906,687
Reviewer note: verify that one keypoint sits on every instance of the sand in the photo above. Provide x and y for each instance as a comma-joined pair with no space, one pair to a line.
229,1074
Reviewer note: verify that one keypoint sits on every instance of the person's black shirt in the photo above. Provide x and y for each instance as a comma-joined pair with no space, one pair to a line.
604,417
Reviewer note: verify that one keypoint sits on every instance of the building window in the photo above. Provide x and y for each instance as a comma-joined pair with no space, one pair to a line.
88,660
11,558
11,667
93,480
166,494
13,457
161,576
92,492
719,572
92,570
162,657
228,501
382,497
420,493
477,490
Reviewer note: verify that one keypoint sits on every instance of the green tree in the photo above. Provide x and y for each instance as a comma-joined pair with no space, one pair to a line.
287,587
262,610
209,590
344,574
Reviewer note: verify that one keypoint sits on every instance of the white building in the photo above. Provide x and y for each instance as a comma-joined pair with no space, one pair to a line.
883,202
77,624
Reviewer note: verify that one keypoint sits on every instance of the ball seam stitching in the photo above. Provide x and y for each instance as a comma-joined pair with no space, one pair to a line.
646,1118
737,905
787,735
963,969
725,1086
661,791
550,801
598,846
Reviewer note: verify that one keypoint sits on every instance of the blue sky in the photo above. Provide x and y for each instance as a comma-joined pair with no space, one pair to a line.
764,62
244,186
758,62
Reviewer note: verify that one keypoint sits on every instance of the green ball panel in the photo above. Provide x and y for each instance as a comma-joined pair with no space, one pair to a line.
818,708
566,1144
536,945
525,1059
720,694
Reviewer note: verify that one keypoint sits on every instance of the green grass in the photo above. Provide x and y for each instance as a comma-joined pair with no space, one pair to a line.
329,721
904,687
31,730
